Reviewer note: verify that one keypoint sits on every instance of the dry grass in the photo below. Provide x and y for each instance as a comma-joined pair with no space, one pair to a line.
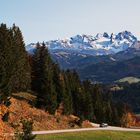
21,109
42,120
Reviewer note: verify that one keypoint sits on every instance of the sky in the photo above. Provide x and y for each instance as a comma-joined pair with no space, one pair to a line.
43,20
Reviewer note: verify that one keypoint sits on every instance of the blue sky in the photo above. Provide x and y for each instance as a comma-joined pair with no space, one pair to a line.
43,20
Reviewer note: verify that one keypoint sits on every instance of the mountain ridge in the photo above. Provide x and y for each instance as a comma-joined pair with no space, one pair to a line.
101,44
97,64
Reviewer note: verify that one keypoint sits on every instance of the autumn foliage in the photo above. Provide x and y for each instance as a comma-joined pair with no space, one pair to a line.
42,120
128,120
5,129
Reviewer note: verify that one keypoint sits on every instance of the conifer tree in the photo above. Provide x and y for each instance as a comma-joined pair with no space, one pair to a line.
97,102
57,76
43,79
88,107
21,74
66,98
6,62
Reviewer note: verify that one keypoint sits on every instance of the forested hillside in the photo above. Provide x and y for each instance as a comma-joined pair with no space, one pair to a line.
129,94
53,88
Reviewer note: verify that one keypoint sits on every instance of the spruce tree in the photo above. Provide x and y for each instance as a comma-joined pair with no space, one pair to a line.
66,98
21,74
43,80
6,63
88,103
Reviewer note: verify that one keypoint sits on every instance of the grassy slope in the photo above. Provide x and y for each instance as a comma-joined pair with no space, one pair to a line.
92,135
22,107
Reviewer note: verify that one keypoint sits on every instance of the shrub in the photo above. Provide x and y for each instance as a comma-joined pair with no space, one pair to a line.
26,134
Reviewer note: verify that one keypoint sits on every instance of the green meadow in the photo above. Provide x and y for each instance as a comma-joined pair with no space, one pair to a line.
92,135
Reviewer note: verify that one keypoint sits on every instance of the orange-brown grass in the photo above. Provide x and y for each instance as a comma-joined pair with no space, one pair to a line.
137,120
20,109
42,120
5,129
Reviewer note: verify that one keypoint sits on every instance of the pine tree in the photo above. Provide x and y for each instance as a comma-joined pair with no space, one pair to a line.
66,98
37,69
6,62
57,75
78,95
21,75
43,80
97,103
88,106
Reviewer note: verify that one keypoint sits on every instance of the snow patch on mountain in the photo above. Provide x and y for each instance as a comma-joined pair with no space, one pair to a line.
101,44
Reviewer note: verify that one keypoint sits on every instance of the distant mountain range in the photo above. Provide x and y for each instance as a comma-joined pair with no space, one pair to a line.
101,44
103,58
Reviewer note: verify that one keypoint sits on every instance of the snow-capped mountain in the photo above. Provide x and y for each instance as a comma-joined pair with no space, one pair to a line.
101,44
101,58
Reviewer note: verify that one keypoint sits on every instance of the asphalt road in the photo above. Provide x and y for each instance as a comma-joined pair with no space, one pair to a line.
85,129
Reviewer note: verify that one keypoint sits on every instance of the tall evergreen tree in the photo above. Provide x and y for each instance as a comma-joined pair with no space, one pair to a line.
88,103
22,71
66,98
6,63
43,79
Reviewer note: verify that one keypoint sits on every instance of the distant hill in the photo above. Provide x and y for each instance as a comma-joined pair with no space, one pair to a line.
128,93
107,72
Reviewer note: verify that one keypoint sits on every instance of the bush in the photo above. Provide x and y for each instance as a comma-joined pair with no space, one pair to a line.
73,123
26,134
